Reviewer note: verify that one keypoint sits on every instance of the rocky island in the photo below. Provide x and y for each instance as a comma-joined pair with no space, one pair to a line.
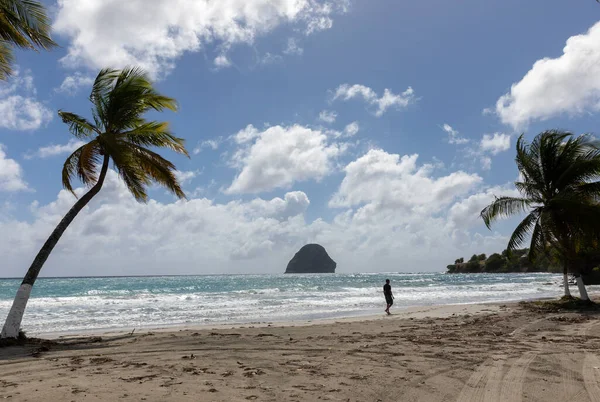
311,259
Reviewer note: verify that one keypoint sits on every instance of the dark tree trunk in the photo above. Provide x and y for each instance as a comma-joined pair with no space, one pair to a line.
15,316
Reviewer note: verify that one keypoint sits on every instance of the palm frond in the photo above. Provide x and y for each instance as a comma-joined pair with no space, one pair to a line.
24,24
132,96
520,234
103,85
589,191
83,162
70,170
155,167
128,169
530,190
78,126
538,243
528,164
6,60
504,207
155,134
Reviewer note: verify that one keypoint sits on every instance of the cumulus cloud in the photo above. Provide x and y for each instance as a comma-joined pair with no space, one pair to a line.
19,107
495,143
569,84
55,149
328,116
454,137
280,156
73,83
155,34
466,212
380,180
11,173
115,235
382,104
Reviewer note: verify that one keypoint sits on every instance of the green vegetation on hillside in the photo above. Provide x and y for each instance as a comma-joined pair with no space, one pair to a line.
517,261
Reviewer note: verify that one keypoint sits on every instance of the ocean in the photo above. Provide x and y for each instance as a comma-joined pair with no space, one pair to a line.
95,304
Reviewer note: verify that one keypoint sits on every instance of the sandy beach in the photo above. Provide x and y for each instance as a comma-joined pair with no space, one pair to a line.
486,352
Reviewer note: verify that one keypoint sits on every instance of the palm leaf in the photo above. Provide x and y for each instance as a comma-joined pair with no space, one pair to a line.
6,60
538,243
78,126
83,163
29,19
24,24
520,234
155,134
504,207
155,167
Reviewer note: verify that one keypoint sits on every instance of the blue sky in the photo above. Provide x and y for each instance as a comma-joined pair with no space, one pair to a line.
359,190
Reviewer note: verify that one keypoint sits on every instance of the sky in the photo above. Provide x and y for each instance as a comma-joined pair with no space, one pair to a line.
378,129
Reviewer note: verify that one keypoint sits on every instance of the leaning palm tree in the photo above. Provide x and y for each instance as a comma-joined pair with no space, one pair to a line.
560,190
24,24
119,134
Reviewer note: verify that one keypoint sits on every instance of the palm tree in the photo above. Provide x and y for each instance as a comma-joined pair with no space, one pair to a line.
121,134
560,191
24,24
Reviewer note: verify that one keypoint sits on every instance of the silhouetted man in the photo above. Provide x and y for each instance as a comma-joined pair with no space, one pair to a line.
389,297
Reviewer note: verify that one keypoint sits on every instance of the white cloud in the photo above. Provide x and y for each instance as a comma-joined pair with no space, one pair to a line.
11,173
155,34
292,48
351,129
221,61
19,108
186,176
568,84
328,116
212,144
73,83
54,149
383,103
488,146
495,143
382,181
246,135
454,136
279,156
115,235
466,213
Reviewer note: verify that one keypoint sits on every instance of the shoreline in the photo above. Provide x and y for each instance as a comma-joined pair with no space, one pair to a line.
500,351
414,312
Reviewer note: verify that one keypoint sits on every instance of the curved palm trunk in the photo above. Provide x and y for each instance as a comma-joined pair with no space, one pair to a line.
15,316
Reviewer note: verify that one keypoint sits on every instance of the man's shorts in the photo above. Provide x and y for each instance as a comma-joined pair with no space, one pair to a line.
389,300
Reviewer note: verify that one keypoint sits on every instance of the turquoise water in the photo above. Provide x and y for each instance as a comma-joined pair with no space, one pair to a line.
80,304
